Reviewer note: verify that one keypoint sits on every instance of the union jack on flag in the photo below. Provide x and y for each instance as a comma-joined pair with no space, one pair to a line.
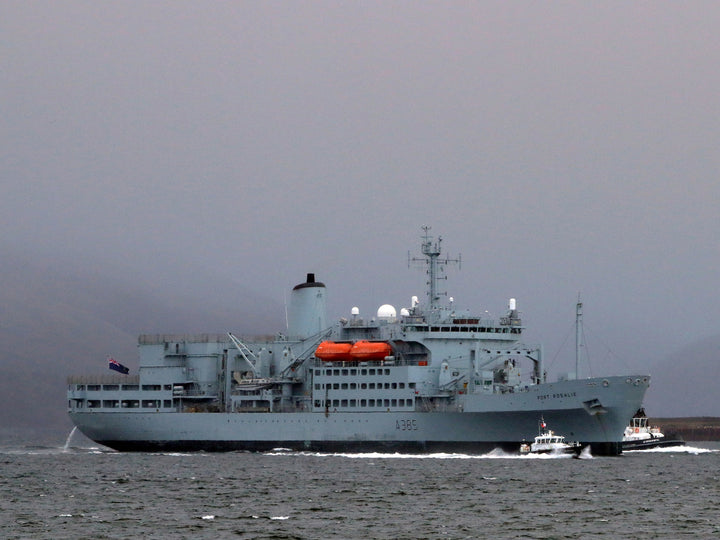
117,366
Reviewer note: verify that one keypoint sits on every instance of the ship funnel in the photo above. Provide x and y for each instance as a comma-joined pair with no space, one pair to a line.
307,314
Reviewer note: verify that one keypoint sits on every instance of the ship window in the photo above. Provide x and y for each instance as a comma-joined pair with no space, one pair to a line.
353,403
363,372
81,387
318,372
401,385
387,372
111,387
110,403
317,386
130,403
353,372
167,403
131,387
344,386
409,402
336,386
344,371
93,403
394,386
318,403
353,386
394,403
371,403
372,386
150,403
363,402
151,387
336,372
93,387
387,402
336,402
371,372
387,386
343,403
363,386
411,385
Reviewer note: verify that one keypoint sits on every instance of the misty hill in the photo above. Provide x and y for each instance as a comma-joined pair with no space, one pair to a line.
57,322
683,384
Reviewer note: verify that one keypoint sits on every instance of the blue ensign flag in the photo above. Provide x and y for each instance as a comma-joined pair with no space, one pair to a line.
117,366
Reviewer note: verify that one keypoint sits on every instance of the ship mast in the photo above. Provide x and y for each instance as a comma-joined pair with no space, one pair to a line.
578,335
431,251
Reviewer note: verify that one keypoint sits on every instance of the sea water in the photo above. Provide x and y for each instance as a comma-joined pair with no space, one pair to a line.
88,492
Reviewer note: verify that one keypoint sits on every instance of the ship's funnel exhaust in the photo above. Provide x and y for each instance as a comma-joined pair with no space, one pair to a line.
307,313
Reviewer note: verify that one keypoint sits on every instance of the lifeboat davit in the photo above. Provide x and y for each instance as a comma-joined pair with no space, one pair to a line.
329,351
370,350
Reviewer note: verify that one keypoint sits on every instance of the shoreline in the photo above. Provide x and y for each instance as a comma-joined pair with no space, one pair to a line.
691,428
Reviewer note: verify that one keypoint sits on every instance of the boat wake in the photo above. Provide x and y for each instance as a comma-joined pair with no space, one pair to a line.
497,453
680,449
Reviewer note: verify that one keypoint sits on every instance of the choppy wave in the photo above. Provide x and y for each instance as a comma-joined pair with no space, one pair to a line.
48,493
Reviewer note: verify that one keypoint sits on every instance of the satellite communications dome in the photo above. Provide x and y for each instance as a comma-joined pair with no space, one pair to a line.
386,311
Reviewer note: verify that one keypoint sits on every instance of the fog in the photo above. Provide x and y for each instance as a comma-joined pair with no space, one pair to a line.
207,151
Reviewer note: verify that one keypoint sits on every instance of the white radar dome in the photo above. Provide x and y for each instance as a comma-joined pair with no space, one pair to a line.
404,312
355,311
386,311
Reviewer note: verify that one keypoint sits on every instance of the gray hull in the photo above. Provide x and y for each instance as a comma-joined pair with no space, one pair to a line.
486,422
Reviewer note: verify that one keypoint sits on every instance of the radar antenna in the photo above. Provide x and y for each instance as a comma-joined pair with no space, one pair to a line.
431,257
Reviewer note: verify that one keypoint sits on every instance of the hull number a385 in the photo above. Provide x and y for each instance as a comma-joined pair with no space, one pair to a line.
406,425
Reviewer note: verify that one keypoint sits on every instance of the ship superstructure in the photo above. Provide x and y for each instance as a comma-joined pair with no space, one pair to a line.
429,379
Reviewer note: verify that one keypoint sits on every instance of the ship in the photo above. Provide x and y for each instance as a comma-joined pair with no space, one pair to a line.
549,442
431,378
640,435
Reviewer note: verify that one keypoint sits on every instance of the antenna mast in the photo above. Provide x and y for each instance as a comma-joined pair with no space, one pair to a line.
578,335
431,251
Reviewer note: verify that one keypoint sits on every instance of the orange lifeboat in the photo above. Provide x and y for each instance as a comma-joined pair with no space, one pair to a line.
370,350
329,351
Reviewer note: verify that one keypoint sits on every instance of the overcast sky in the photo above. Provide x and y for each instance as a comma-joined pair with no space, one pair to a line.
562,148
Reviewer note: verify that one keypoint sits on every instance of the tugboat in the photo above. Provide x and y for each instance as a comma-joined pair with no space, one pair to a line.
640,435
549,442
